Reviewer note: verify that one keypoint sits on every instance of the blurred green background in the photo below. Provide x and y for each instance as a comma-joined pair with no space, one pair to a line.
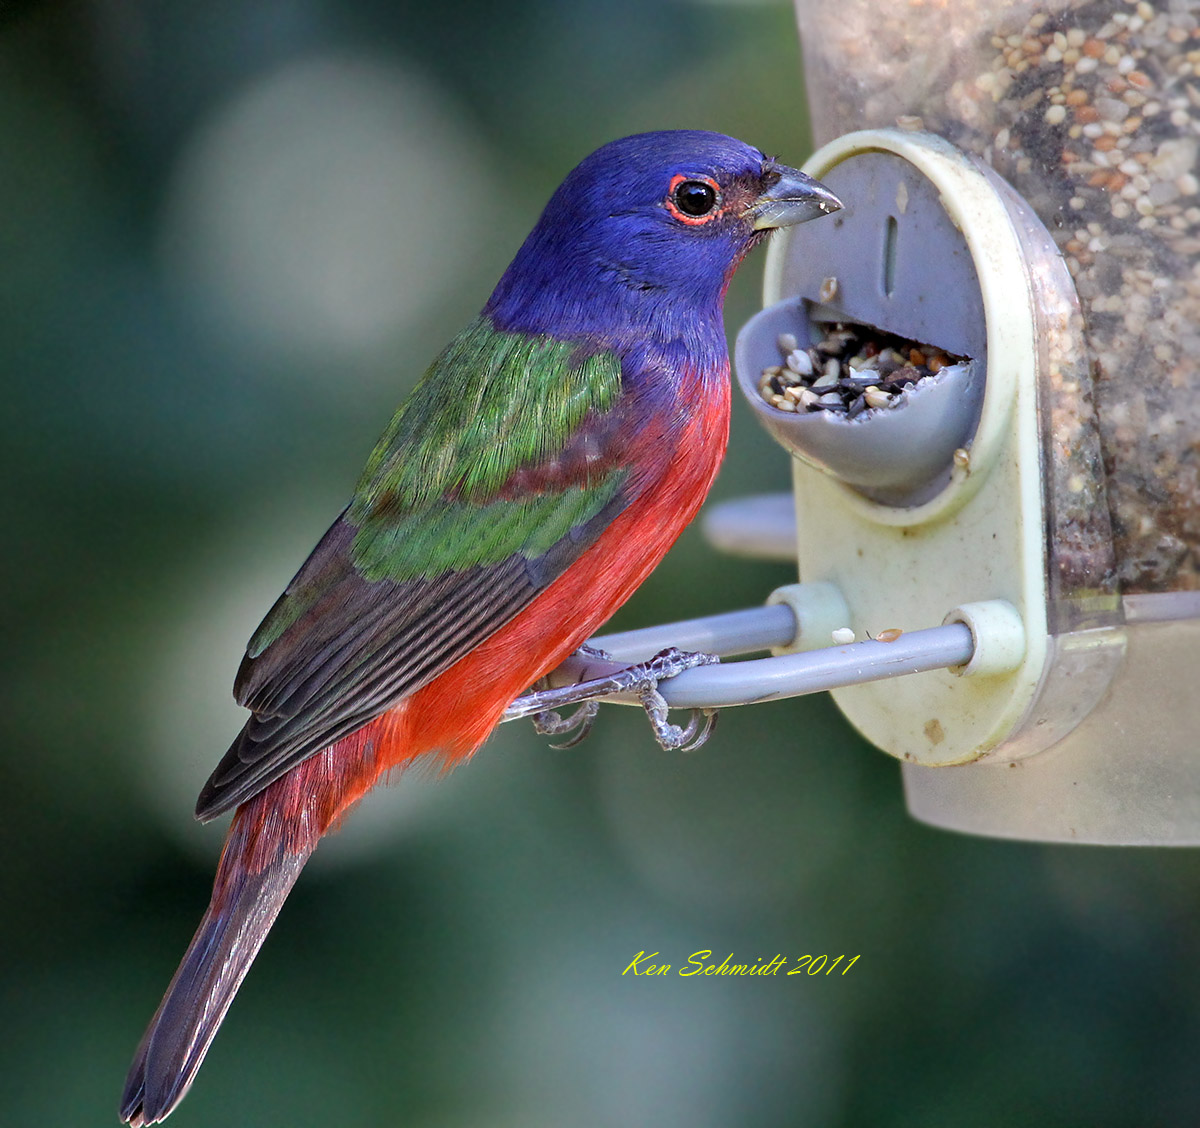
232,235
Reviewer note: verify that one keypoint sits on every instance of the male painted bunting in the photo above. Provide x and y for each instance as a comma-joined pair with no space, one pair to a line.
549,458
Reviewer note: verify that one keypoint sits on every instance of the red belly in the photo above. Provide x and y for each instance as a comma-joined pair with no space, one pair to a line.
455,713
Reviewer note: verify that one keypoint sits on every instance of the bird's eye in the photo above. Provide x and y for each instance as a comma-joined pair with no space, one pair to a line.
693,200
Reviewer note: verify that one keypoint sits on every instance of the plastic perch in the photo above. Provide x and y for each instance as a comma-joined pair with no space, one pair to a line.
822,667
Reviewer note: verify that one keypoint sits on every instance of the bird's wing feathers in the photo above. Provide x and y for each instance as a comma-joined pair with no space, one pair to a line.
503,467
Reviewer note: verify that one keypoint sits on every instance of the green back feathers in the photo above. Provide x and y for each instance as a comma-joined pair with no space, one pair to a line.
491,404
426,505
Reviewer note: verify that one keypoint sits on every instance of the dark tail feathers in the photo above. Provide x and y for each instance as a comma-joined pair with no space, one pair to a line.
243,908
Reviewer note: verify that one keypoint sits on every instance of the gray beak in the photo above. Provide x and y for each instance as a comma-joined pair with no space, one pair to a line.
795,198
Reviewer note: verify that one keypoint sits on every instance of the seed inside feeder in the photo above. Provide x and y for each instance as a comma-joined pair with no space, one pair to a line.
850,370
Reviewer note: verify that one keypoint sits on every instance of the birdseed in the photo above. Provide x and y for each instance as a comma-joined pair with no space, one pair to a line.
850,370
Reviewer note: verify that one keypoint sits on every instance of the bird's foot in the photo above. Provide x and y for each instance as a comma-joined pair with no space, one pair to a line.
640,680
644,679
551,723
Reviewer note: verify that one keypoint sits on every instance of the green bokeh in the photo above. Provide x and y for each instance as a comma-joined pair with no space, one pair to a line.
458,964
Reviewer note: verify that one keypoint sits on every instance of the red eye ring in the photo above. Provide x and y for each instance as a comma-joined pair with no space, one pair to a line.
687,193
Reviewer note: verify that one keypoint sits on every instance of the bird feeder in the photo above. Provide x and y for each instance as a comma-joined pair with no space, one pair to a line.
983,369
1020,188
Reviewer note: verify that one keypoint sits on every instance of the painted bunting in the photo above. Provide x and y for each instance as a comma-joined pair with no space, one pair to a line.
539,471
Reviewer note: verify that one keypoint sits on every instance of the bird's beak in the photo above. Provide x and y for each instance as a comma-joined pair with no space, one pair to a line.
793,198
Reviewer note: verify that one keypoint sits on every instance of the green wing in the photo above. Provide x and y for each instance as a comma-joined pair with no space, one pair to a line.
502,468
494,403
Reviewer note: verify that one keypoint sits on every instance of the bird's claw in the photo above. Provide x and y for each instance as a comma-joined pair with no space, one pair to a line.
644,681
674,737
641,680
689,738
594,652
551,723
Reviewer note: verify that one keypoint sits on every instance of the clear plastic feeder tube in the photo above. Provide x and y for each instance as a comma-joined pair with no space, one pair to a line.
1091,112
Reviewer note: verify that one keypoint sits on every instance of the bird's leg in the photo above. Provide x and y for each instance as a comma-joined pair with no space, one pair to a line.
640,680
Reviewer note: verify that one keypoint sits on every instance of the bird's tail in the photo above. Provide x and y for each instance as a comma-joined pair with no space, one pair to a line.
258,869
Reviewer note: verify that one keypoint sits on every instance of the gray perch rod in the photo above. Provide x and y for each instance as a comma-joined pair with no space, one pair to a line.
762,679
